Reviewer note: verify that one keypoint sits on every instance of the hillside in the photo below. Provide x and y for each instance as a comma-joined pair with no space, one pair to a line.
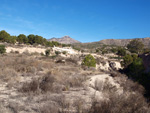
124,42
64,40
110,42
34,83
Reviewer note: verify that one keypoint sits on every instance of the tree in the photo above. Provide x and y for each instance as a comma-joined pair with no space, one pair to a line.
31,39
11,39
4,35
89,61
38,39
135,46
22,39
49,44
2,49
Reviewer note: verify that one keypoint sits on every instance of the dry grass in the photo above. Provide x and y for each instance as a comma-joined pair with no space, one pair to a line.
42,85
48,108
47,80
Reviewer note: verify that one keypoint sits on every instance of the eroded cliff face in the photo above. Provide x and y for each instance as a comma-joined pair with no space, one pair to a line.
146,61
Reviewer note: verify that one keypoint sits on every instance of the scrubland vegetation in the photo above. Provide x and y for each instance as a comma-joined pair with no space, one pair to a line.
57,83
44,86
35,83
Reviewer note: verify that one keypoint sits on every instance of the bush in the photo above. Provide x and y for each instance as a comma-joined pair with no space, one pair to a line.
133,103
114,50
89,61
121,52
64,52
44,84
57,52
2,49
127,59
47,52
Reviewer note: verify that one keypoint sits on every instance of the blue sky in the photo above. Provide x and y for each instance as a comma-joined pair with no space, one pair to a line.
83,20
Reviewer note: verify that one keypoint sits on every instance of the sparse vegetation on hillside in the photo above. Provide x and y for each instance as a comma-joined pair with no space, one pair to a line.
66,84
46,85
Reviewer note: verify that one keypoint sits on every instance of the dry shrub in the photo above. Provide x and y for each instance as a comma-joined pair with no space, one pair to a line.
131,103
75,81
104,86
79,105
47,82
64,105
129,85
20,63
9,75
72,60
43,84
14,107
48,108
100,61
4,109
32,86
31,69
46,63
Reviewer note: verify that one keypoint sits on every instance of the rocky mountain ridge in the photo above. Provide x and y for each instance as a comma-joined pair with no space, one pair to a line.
65,40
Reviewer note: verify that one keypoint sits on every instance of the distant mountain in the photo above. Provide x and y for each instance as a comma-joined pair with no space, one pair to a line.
109,42
64,40
124,42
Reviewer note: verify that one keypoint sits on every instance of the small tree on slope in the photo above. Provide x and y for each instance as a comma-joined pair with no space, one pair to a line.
89,61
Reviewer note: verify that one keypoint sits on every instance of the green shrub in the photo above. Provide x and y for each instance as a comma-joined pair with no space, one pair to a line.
136,68
127,59
57,52
114,50
64,52
121,52
47,52
104,51
2,49
89,61
97,50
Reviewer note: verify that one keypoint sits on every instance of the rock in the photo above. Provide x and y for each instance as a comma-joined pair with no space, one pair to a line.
112,65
